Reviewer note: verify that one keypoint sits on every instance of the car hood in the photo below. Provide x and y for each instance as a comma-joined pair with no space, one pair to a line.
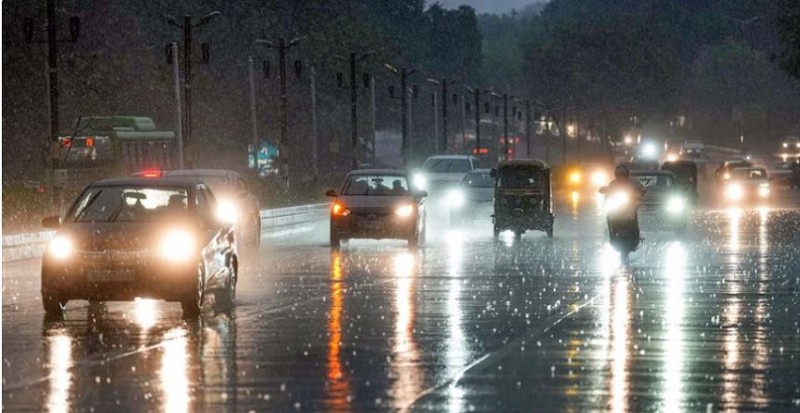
374,203
478,194
104,236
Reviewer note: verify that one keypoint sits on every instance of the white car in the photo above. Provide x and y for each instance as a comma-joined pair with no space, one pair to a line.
442,172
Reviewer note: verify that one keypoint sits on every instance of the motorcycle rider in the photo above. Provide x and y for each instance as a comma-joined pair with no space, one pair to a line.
623,182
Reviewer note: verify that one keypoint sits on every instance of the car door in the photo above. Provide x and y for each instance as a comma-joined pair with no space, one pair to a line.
215,236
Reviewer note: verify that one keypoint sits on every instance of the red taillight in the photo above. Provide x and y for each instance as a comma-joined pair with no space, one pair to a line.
151,174
339,209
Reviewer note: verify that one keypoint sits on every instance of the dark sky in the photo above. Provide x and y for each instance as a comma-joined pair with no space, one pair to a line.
487,6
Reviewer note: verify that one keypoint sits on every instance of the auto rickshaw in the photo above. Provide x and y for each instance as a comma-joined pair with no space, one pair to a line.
685,176
522,197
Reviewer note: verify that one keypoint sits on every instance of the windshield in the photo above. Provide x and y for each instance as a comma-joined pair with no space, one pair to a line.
216,183
396,185
478,180
445,165
129,204
749,174
520,178
655,181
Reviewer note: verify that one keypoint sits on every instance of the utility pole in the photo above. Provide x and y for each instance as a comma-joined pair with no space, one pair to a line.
253,118
176,74
52,64
374,123
507,155
354,105
528,127
463,122
436,124
445,136
404,117
314,138
283,153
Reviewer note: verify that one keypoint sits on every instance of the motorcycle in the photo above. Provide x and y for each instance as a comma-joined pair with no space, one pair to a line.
621,207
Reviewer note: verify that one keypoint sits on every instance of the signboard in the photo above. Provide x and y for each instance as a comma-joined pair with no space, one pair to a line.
264,159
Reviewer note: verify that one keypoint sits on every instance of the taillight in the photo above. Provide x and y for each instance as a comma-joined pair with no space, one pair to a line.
339,209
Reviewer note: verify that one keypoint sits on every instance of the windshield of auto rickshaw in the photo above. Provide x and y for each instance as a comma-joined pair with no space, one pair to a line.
521,177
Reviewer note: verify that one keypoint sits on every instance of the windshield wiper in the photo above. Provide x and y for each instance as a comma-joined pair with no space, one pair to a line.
85,209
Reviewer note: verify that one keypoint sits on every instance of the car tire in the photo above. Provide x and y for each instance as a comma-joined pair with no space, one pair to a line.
336,241
54,306
192,303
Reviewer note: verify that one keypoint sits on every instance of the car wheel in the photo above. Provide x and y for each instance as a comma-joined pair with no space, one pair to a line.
54,306
192,303
228,295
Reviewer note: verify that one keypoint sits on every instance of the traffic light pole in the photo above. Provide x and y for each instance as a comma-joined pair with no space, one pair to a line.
404,116
444,114
528,128
505,126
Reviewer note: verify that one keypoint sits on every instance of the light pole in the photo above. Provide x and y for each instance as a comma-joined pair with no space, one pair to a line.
445,136
354,103
476,93
187,27
283,156
405,107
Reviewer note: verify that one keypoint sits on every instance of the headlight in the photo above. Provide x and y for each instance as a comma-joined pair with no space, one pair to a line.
177,245
616,201
763,190
575,177
599,178
404,211
227,211
339,209
726,175
420,181
676,205
60,247
734,192
455,198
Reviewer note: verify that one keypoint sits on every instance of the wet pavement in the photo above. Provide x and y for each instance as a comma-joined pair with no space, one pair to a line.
705,321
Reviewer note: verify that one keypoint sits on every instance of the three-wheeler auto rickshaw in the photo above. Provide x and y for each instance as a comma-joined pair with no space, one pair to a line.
522,197
685,176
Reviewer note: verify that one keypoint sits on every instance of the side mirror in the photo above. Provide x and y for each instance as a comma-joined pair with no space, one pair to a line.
493,173
53,222
331,193
603,190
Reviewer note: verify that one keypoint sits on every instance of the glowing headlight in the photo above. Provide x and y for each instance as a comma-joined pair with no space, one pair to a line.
726,175
455,198
575,177
763,190
734,192
676,205
420,181
404,211
60,247
616,201
227,211
599,178
177,245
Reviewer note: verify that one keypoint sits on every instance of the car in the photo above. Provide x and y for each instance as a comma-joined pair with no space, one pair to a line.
136,237
587,177
472,198
235,200
723,172
747,184
442,172
377,204
666,204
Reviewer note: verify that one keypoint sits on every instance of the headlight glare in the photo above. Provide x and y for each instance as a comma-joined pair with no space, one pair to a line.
616,201
734,192
763,190
599,178
455,198
676,205
420,181
60,247
177,245
575,177
404,211
227,211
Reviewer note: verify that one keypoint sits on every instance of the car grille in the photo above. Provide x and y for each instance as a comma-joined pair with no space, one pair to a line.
114,258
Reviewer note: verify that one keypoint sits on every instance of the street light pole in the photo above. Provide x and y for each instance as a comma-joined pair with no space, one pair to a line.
404,116
528,127
445,136
436,124
505,127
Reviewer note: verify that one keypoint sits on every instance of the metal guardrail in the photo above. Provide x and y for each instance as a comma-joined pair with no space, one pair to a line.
32,244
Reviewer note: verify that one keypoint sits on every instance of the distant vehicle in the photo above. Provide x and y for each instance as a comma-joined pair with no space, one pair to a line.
441,172
747,184
639,164
790,149
235,200
666,203
586,177
472,198
523,197
694,151
723,174
377,204
685,176
135,237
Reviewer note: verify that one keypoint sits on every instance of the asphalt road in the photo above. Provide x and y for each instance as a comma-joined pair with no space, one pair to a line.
706,321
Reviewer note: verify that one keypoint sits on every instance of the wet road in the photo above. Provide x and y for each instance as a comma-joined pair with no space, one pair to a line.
707,321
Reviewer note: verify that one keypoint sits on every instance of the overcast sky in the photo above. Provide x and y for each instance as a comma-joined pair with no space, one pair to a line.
486,6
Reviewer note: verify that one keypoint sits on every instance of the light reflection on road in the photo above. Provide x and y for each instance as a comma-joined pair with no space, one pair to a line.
173,374
405,368
456,352
338,384
675,273
59,345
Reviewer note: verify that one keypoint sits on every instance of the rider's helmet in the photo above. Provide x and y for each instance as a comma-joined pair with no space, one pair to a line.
622,172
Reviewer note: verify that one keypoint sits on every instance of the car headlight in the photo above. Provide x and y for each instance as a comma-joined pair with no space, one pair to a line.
599,178
734,192
617,201
227,211
676,205
763,190
575,177
60,247
455,198
726,175
420,181
177,245
404,211
339,209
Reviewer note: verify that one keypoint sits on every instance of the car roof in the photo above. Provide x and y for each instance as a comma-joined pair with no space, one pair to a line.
450,157
480,171
748,168
378,172
151,182
523,162
200,172
643,172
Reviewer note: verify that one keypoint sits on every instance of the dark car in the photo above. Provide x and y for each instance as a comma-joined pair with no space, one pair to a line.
472,198
376,204
235,200
747,185
666,203
129,238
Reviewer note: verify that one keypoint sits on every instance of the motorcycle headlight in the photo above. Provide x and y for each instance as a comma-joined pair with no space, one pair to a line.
455,198
60,247
404,211
676,205
599,178
616,201
734,192
177,245
763,190
227,211
420,181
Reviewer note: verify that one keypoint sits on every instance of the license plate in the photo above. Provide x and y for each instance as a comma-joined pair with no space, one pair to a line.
371,224
110,275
